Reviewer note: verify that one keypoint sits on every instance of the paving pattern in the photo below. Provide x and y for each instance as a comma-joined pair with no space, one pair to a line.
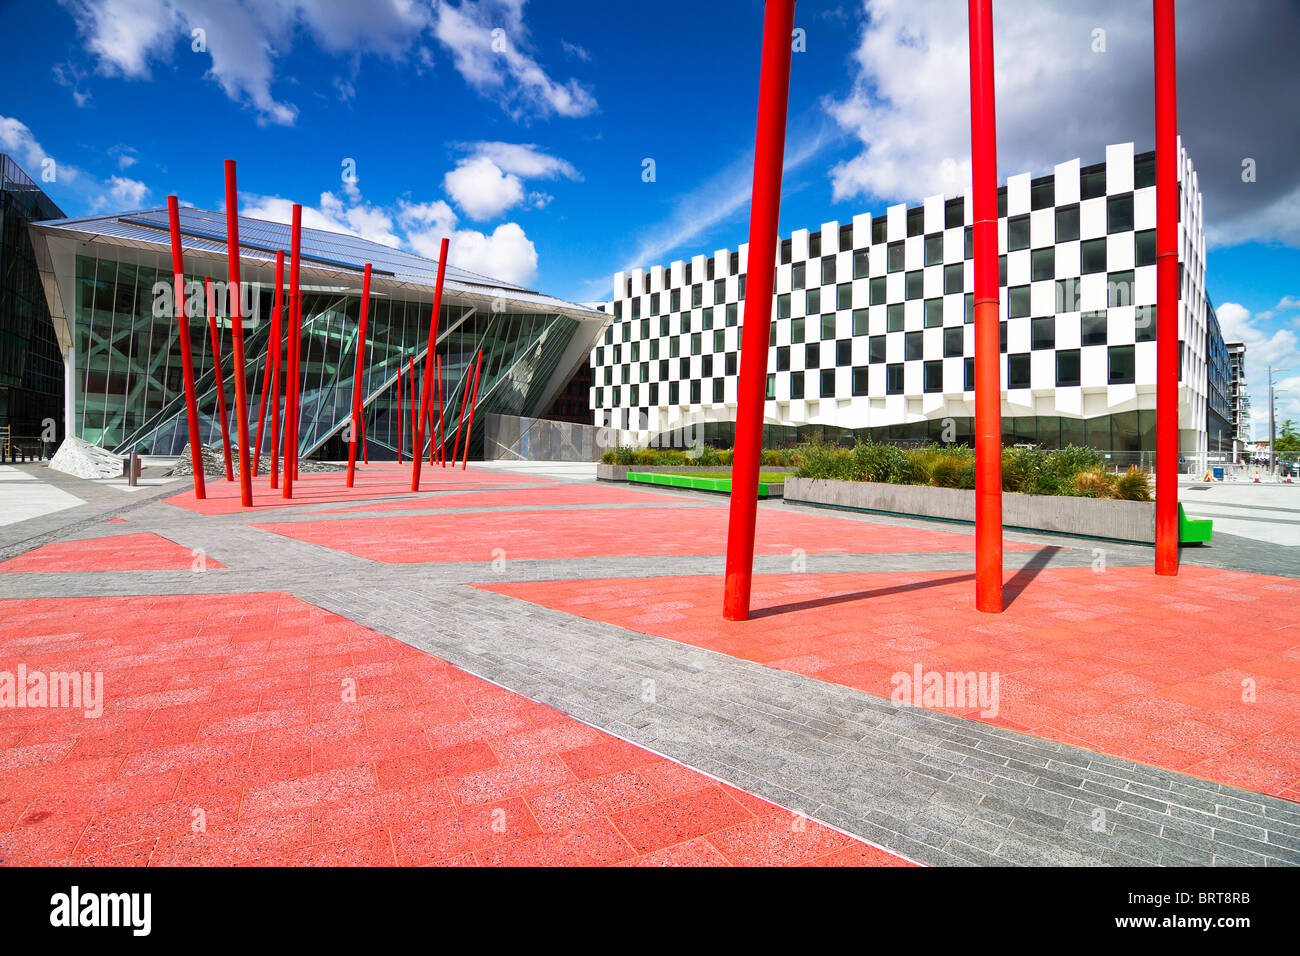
541,676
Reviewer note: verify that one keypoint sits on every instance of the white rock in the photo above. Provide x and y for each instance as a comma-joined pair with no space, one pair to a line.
84,460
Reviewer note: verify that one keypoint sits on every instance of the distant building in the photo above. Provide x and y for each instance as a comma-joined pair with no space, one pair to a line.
31,368
1238,400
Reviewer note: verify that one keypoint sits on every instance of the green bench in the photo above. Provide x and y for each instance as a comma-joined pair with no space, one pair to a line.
1193,530
689,481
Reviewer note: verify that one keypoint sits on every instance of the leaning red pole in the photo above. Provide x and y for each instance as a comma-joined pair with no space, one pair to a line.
277,316
187,359
267,373
751,386
460,425
237,335
442,452
469,429
356,376
291,371
988,374
220,375
416,457
399,413
1166,287
410,378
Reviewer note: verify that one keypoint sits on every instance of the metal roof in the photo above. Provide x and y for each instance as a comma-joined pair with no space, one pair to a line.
204,231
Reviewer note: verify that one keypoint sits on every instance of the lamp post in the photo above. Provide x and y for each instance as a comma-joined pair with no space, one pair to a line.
1272,436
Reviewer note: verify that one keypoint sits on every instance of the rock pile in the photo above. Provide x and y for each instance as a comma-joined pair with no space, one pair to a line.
214,463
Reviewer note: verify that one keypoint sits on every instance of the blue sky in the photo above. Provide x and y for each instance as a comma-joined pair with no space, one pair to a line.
527,145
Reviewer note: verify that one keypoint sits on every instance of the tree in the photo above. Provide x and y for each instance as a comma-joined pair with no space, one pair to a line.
1288,437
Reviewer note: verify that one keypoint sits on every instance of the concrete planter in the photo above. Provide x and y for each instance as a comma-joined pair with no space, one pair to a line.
1088,517
619,472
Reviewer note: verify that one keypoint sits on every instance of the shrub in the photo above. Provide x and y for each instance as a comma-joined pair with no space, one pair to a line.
874,461
607,458
946,471
726,456
826,461
1094,483
1069,461
1133,485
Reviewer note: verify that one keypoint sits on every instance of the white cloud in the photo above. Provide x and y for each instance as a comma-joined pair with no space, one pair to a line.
487,40
575,51
1265,345
524,160
506,253
126,193
480,188
1057,98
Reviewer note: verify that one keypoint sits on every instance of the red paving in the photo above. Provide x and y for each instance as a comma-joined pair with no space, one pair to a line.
679,530
126,552
1123,662
225,738
371,481
520,498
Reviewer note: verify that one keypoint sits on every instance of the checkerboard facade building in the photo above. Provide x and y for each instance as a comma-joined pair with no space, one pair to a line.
872,323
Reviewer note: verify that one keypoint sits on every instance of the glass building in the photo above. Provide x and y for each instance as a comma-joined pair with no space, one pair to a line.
31,370
108,284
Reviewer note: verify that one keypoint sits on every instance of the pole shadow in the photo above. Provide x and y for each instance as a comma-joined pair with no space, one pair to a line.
857,596
1025,576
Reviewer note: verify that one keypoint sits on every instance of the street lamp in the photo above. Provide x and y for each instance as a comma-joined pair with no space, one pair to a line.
1272,438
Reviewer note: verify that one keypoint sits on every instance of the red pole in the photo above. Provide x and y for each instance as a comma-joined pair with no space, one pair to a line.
460,425
765,207
365,443
237,335
210,293
187,360
295,336
277,316
416,457
356,377
415,410
267,374
478,366
988,359
1166,288
442,452
399,414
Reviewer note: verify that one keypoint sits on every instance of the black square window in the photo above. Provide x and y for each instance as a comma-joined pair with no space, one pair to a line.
1144,170
1042,332
783,358
1144,251
684,322
814,244
1002,202
683,368
1092,330
828,327
719,389
812,355
1067,223
932,376
968,243
894,260
1002,270
708,268
828,270
771,386
860,378
618,309
706,319
1042,193
876,349
916,221
933,313
878,290
733,263
953,341
1120,364
1067,367
706,366
674,393
1092,181
954,278
860,321
796,384
1119,213
697,295
953,213
861,263
1093,256
968,374
913,346
1119,289
1002,336
1042,263
695,391
914,285
828,383
1017,233
783,306
846,237
1018,302
894,317
844,295
968,308
741,284
787,249
844,352
934,249
636,308
1018,370
879,230
797,275
812,301
1144,323
796,331
719,340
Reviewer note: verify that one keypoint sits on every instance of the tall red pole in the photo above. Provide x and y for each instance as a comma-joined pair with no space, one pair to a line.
442,452
1166,288
415,410
237,335
478,367
400,414
356,377
211,300
293,320
460,425
267,374
751,386
416,457
988,358
187,359
277,322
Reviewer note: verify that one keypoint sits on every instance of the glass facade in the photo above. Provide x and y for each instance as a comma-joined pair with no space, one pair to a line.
129,390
